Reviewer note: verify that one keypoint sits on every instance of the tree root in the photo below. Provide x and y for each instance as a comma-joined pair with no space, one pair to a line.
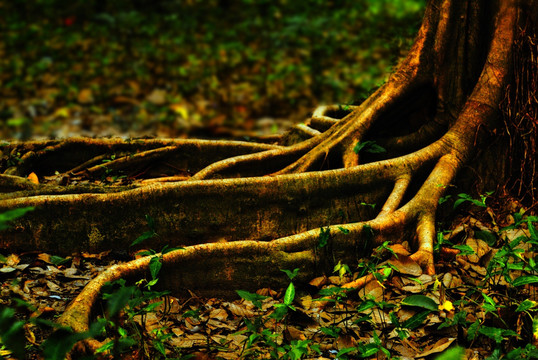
228,201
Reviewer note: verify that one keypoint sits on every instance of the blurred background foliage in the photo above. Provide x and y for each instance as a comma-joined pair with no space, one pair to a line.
190,67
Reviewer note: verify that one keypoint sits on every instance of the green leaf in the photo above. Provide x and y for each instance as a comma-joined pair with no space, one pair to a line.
420,301
464,250
166,249
117,301
144,237
343,230
365,305
345,351
526,305
151,222
524,280
369,350
289,295
369,147
11,215
155,264
496,334
107,346
159,346
58,260
332,331
473,330
12,333
291,274
459,202
416,320
324,237
61,341
252,297
456,353
444,199
280,311
487,236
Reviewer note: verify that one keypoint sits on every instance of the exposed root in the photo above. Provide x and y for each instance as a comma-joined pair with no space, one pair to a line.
214,196
396,196
271,159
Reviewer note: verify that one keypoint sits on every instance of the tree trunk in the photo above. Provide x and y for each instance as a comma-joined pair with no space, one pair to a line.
246,210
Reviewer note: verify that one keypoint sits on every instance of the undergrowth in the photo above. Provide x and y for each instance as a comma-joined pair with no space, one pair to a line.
496,315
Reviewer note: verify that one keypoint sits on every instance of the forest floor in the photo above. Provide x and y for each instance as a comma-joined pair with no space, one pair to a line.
129,73
482,298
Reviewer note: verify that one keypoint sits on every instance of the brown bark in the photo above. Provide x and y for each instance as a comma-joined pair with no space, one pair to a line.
246,210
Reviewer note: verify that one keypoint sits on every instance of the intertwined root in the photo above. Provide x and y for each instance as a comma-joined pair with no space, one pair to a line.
246,210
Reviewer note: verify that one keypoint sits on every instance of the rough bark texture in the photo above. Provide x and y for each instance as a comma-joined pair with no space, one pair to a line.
246,210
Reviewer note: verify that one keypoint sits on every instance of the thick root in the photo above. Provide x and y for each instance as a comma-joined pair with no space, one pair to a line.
213,197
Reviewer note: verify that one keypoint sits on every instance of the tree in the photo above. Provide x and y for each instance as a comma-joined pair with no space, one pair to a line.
246,210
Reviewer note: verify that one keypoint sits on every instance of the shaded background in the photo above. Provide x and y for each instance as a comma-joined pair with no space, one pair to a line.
209,68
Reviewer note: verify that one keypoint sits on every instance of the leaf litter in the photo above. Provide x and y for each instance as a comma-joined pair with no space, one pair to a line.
410,314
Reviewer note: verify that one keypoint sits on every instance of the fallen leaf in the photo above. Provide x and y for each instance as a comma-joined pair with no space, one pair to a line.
238,310
180,109
319,281
85,96
405,265
292,333
399,249
62,112
345,341
33,178
372,290
13,260
218,314
480,248
439,346
157,97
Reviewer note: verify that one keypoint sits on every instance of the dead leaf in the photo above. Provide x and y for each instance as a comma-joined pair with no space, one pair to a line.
239,310
180,109
292,333
319,281
437,347
33,178
372,290
157,97
44,257
399,249
345,341
335,280
306,302
124,100
266,292
405,265
85,96
62,112
134,87
218,314
13,260
480,248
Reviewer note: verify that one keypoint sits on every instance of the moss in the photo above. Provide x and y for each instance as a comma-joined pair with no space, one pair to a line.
95,238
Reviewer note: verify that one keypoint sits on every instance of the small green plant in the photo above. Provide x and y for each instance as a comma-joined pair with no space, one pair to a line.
468,198
324,237
10,215
369,147
282,309
148,234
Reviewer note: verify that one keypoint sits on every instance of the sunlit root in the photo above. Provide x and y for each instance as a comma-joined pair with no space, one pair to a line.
243,211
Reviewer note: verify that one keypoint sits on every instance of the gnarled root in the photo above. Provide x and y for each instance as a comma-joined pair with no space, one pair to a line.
227,201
